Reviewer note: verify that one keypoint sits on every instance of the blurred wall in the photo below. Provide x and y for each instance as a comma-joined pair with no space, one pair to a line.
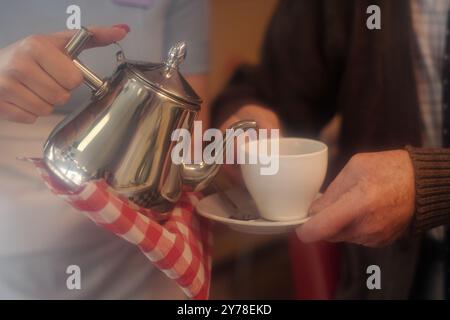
237,29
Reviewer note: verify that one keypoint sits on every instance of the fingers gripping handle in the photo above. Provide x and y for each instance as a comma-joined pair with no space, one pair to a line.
77,43
73,48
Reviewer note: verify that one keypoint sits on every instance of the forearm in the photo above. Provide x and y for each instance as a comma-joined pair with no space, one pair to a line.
432,184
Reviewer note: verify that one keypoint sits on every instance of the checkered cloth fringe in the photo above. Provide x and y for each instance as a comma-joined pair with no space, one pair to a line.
178,246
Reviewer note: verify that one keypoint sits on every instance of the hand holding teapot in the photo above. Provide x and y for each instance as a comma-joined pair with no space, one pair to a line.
36,75
124,134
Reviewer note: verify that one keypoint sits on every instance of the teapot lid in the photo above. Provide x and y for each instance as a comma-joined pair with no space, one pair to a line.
166,77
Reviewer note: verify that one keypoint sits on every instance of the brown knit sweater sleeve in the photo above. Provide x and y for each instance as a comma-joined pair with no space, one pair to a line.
432,180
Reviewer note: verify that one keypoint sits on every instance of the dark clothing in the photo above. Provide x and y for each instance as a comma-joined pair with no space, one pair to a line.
320,59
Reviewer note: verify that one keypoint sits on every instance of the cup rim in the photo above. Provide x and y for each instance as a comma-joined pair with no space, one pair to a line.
324,147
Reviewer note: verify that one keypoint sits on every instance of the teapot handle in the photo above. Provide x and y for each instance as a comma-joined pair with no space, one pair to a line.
73,49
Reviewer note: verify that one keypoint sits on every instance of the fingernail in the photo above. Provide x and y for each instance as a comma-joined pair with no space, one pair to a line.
122,26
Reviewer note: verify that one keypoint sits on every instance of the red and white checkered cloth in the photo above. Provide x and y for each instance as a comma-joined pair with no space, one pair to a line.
179,246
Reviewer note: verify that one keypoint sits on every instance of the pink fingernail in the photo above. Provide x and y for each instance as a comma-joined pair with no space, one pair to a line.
122,26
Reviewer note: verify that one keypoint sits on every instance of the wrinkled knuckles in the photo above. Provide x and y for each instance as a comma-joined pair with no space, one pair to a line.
5,88
16,69
31,43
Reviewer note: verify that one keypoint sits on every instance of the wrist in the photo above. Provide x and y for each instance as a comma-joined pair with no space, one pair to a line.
432,187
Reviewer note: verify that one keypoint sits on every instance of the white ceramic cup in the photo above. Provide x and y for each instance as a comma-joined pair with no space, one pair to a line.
287,194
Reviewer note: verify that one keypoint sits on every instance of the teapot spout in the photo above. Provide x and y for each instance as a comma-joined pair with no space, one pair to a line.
198,176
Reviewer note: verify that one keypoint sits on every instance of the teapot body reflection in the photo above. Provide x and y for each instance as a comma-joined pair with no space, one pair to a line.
124,134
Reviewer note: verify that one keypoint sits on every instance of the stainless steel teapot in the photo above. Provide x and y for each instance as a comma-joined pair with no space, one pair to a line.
124,134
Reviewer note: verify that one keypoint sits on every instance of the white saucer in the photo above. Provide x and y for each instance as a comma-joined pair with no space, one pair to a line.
214,208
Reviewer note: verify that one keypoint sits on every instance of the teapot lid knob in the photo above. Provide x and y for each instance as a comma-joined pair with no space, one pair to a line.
176,55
